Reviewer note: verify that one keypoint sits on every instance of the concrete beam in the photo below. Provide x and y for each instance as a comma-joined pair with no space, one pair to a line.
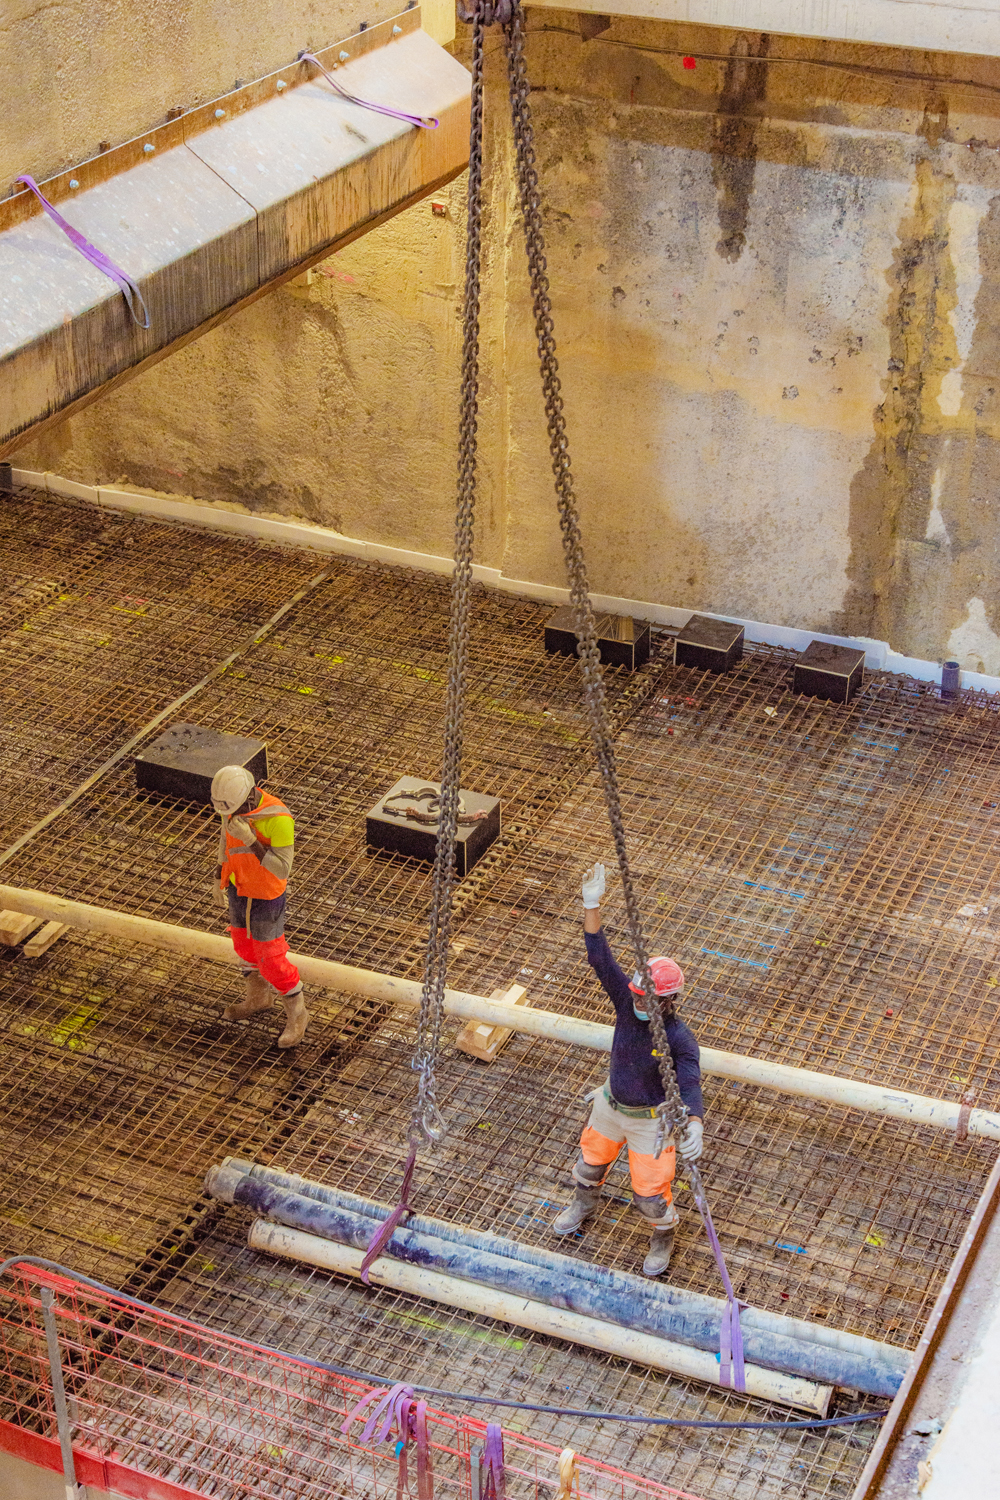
213,209
932,25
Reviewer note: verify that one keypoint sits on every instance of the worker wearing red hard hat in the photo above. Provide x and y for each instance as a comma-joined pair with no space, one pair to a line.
624,1108
255,860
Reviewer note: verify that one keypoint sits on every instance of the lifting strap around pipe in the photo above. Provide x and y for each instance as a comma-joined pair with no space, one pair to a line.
662,1311
556,1261
917,1109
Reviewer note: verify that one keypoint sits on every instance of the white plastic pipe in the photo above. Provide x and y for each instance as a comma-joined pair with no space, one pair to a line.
624,1343
918,1109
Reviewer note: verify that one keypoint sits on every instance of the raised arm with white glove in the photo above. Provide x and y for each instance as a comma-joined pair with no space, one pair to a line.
593,888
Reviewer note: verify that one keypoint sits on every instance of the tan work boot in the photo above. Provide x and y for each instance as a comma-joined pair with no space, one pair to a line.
298,1019
259,996
660,1247
586,1200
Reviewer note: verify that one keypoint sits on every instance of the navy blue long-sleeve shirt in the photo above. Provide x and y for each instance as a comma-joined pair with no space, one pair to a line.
635,1074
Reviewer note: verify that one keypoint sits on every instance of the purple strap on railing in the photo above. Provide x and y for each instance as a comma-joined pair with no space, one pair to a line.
97,258
399,1405
390,1407
493,1485
385,1231
412,1423
428,122
731,1368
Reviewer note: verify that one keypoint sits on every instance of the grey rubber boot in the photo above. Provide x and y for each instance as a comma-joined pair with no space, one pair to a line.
660,1248
259,996
297,1019
585,1202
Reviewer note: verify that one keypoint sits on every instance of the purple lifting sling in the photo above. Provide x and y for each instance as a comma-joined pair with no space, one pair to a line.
97,258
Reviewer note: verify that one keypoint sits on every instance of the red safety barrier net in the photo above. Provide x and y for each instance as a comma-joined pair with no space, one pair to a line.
170,1408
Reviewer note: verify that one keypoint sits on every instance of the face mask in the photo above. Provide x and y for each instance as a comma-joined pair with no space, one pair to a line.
640,1015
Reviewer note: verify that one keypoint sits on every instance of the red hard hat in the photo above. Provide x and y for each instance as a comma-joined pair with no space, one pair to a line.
668,977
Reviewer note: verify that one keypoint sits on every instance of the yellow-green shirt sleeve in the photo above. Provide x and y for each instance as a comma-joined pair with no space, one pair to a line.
280,832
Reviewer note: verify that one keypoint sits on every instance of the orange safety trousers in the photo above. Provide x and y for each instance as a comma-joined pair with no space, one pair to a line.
607,1131
271,958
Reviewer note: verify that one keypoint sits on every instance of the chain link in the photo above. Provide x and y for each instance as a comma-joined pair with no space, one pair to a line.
426,1122
673,1112
426,1119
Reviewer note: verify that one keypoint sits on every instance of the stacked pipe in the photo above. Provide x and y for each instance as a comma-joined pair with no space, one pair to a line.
786,1356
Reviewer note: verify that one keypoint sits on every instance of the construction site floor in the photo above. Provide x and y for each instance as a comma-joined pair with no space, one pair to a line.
824,874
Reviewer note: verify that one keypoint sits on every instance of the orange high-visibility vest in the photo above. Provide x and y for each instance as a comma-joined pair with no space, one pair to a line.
251,877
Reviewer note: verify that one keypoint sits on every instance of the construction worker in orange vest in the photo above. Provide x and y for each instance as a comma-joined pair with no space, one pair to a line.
255,861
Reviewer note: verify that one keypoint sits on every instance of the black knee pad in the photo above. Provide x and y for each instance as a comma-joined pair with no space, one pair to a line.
652,1208
587,1175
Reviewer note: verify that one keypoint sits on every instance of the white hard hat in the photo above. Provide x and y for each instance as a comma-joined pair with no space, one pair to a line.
230,788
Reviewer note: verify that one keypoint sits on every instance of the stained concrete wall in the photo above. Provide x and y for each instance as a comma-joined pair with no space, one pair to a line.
776,278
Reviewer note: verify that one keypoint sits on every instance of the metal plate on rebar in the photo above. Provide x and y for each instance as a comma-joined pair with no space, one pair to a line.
183,759
709,645
404,822
824,670
622,641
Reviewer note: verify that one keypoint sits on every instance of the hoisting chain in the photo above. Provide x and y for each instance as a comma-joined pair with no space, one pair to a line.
426,1121
672,1114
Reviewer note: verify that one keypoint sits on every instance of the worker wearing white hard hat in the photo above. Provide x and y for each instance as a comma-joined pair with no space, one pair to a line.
256,847
624,1108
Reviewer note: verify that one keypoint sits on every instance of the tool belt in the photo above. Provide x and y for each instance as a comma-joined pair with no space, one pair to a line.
424,806
646,1112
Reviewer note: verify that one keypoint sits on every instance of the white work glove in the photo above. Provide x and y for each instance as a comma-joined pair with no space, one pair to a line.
593,888
240,829
219,896
691,1141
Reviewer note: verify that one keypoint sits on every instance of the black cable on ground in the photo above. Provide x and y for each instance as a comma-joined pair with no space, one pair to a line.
429,1390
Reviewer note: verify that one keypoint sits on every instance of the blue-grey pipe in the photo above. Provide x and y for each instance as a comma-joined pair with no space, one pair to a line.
566,1265
693,1320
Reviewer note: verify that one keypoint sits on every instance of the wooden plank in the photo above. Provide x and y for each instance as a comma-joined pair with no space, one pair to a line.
480,1040
14,927
42,941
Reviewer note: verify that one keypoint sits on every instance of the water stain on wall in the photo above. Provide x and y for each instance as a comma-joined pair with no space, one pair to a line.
734,140
891,493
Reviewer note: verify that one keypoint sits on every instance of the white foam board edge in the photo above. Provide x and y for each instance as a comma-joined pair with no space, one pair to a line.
879,655
56,485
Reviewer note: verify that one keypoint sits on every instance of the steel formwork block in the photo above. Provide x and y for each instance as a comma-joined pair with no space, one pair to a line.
401,828
183,759
622,641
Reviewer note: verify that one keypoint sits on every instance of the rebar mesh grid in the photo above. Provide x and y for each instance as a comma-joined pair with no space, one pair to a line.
386,1332
209,1413
141,614
811,870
